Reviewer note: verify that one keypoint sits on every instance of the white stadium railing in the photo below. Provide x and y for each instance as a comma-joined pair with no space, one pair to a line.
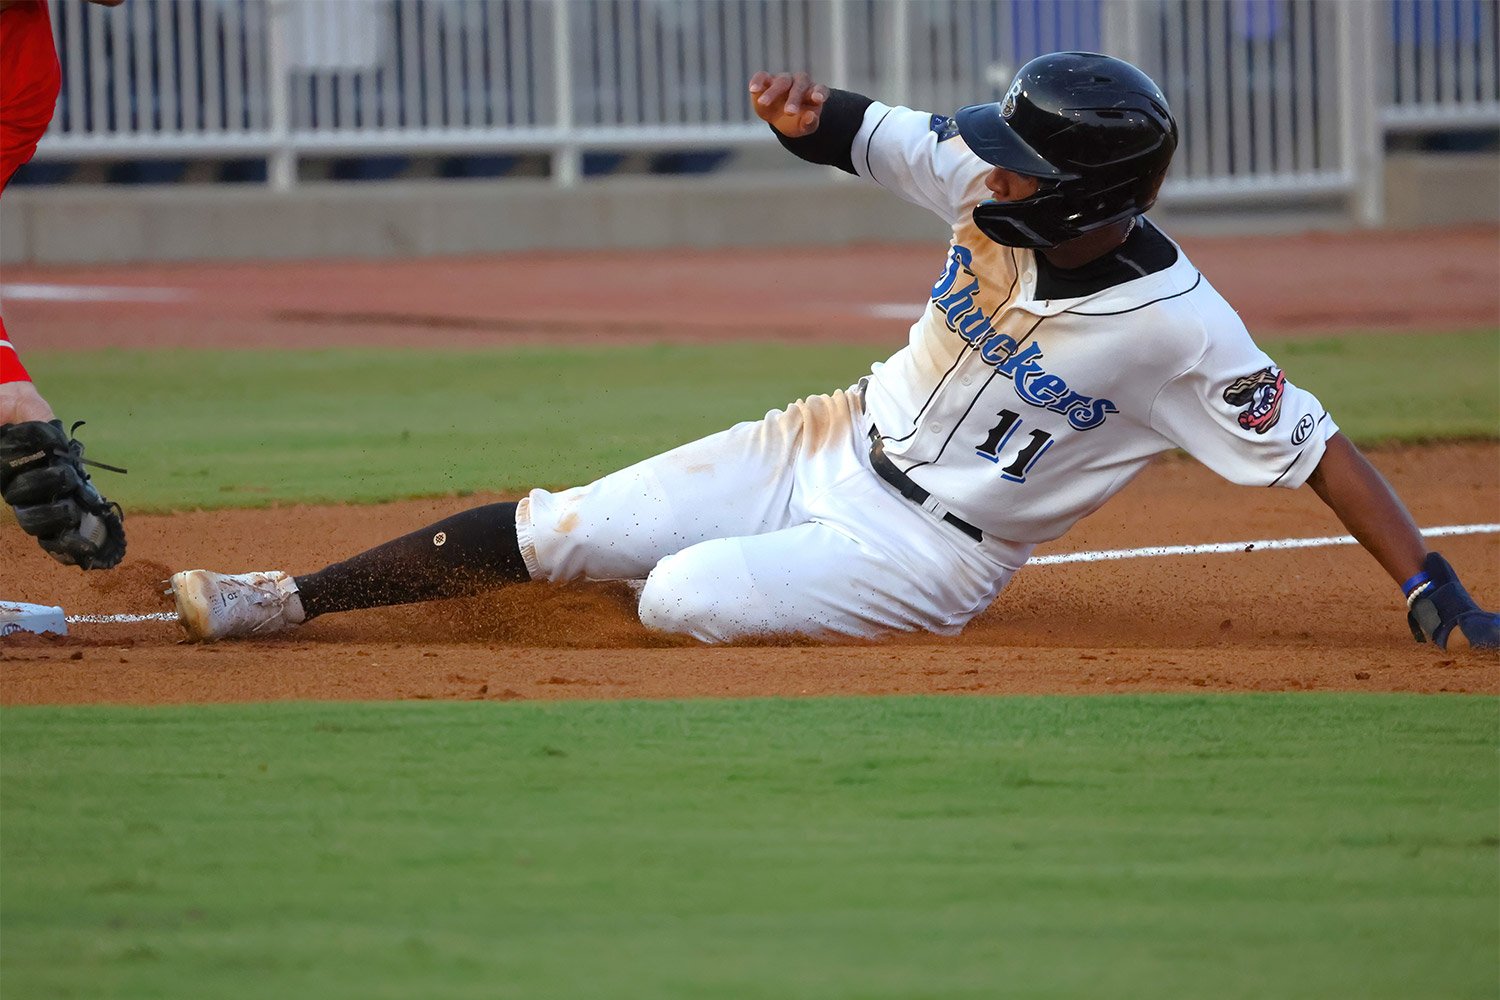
1275,97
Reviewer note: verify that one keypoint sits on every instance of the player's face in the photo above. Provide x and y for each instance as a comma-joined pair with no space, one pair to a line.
1007,185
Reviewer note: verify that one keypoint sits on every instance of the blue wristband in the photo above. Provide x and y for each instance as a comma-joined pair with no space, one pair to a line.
1415,582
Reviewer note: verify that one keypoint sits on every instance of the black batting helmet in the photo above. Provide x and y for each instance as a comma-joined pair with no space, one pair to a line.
1093,129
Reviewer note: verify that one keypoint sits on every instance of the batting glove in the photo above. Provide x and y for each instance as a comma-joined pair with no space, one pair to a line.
1439,604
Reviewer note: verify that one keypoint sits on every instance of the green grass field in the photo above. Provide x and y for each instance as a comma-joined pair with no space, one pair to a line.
214,429
1255,846
1156,847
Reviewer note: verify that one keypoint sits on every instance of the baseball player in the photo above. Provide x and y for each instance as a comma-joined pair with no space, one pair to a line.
1066,342
41,466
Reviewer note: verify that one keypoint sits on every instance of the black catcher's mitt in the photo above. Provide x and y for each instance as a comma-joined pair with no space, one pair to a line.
42,477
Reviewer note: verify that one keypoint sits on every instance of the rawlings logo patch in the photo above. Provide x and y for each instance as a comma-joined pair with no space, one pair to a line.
1260,394
1304,428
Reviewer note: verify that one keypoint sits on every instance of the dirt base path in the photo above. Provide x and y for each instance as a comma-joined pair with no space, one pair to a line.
1295,285
1322,618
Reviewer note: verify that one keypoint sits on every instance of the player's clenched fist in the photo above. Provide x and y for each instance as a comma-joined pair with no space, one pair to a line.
790,102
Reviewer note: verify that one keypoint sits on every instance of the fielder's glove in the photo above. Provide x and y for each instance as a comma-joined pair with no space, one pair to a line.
42,477
1440,604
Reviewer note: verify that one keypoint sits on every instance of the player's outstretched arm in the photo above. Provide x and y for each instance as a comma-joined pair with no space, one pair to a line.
1439,607
1369,508
812,122
19,399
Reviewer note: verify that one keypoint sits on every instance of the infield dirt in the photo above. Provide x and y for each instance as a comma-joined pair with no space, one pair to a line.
1323,618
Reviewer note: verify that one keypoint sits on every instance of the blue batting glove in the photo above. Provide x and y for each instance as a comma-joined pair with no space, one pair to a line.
1439,604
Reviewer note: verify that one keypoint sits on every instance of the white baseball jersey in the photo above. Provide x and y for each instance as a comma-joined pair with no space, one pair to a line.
1016,415
1024,415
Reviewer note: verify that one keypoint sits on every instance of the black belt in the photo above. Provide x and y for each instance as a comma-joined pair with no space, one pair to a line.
886,469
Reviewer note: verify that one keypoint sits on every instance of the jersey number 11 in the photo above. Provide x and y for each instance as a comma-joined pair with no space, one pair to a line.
1000,435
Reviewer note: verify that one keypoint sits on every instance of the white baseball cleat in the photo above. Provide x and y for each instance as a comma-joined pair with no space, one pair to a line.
213,606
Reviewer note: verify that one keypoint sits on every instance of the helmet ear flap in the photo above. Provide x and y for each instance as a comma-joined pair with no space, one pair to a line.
1032,223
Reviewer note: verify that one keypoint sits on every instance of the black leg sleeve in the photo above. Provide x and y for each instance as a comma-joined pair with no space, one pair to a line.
464,554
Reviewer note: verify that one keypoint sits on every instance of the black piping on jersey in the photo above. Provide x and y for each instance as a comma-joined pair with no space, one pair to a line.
977,393
1121,312
870,170
964,347
1299,454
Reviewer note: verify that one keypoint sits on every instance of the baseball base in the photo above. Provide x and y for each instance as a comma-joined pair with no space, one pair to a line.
38,618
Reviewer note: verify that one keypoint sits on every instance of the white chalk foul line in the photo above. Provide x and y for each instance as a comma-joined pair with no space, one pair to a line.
1258,545
161,616
1102,555
909,312
90,293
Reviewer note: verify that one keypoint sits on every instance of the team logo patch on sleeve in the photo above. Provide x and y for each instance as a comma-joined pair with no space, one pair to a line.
943,126
1260,394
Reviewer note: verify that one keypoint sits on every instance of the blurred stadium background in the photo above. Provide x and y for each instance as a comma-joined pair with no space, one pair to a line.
191,129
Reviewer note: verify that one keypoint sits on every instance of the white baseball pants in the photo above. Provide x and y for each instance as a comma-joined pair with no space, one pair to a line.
774,527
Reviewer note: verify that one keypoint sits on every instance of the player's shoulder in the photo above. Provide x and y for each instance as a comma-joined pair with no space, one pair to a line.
921,155
1185,293
1174,315
1170,288
1200,325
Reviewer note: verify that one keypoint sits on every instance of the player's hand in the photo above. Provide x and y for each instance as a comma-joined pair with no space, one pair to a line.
1442,612
20,402
42,477
790,102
